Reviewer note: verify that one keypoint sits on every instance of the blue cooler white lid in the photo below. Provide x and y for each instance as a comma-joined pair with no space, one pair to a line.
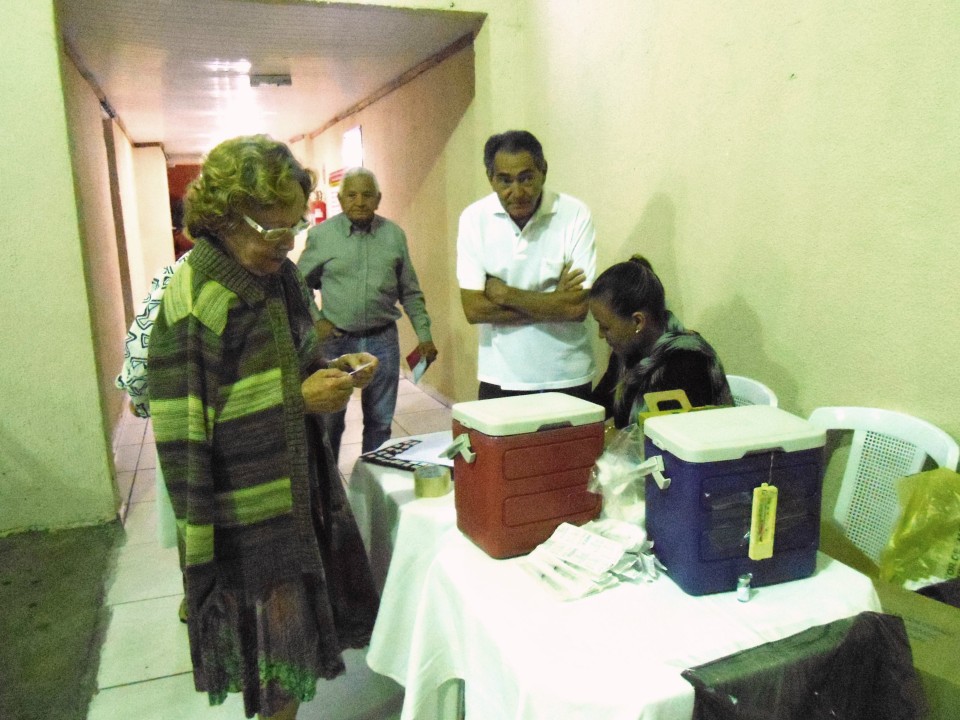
730,433
526,413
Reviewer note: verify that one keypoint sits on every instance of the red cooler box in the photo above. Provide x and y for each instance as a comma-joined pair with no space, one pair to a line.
523,468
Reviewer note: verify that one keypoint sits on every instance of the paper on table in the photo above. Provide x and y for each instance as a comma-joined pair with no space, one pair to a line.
582,548
579,561
429,449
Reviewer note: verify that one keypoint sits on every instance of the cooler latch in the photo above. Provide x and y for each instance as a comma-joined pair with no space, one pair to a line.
460,446
654,466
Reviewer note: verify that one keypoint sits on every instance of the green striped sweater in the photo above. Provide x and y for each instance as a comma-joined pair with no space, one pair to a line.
226,359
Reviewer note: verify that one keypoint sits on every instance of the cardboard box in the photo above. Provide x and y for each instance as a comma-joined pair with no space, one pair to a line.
933,627
934,631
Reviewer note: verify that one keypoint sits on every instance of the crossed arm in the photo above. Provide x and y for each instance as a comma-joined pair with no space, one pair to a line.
502,304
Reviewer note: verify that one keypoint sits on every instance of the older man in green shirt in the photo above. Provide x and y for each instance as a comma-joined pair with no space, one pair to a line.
360,263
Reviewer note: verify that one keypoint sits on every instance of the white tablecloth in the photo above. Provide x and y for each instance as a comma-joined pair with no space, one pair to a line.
449,611
380,497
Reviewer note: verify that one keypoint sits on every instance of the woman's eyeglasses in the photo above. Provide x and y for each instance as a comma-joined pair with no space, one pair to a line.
276,234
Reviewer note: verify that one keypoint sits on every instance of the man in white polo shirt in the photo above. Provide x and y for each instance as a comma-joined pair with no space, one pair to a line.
525,258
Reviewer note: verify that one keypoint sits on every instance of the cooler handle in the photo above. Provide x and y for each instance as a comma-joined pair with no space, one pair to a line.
460,446
655,399
654,466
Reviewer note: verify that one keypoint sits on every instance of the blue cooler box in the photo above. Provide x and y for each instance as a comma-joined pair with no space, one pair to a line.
700,523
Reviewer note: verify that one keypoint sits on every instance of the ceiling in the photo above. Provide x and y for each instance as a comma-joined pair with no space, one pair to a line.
178,72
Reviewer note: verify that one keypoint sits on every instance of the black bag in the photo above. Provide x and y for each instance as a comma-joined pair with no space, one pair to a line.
858,668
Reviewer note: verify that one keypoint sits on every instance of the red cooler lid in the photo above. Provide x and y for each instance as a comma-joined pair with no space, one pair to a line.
526,413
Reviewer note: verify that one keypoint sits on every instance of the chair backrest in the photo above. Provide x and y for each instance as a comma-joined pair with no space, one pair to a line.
886,446
747,391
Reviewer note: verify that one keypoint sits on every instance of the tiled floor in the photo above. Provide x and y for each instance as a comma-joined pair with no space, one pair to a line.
145,671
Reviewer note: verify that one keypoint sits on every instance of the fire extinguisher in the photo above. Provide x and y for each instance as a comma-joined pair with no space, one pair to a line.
318,208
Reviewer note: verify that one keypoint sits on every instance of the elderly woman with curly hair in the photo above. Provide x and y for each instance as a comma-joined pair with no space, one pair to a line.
276,577
651,349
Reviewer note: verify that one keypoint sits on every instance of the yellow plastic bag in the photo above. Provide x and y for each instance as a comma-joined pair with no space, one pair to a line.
925,544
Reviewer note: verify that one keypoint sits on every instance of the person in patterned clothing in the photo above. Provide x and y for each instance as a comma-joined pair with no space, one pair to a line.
276,576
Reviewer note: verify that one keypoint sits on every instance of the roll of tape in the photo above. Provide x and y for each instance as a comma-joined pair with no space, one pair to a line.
431,481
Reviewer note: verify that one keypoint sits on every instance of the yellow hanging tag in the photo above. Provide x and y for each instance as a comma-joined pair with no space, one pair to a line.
763,522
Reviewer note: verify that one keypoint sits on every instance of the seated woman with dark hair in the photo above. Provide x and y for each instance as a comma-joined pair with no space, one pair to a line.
651,349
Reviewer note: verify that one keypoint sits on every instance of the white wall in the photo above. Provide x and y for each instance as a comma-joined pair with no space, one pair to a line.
791,169
127,191
55,464
98,236
153,215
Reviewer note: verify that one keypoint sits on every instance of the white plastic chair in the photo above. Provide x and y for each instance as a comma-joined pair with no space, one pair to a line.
747,391
887,445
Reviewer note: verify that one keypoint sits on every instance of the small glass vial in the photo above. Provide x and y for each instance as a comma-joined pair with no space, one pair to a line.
743,587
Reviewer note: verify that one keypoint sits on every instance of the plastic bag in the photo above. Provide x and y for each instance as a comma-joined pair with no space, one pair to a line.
617,477
925,544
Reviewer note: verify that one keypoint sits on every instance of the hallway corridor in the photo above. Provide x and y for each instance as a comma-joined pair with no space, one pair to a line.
145,670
